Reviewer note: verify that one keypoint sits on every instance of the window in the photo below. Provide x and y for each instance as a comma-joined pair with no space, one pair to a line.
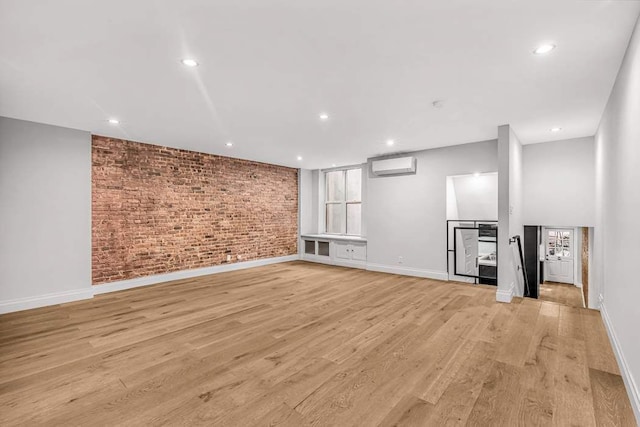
343,202
559,243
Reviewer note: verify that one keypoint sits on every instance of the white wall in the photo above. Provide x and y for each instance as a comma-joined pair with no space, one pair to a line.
559,183
476,197
616,249
452,200
510,282
406,215
45,214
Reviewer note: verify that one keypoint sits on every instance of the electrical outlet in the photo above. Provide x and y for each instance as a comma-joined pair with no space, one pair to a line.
228,258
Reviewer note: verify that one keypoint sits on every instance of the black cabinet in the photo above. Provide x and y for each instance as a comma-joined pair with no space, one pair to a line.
488,275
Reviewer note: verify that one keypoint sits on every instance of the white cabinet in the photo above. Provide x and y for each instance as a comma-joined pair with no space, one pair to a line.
349,251
336,250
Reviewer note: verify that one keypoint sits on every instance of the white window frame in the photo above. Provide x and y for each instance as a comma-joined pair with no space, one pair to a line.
345,202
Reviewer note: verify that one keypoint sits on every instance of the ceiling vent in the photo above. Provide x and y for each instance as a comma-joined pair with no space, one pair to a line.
395,166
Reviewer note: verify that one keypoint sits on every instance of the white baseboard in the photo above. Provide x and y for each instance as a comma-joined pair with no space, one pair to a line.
361,265
320,259
578,285
187,274
627,377
20,304
505,295
408,271
28,303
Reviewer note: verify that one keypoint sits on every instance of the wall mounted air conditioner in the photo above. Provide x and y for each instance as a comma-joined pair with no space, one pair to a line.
396,166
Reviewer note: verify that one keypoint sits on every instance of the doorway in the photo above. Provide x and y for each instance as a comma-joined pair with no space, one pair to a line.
559,255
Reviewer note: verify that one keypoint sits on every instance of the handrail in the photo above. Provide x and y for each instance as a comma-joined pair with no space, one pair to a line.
522,266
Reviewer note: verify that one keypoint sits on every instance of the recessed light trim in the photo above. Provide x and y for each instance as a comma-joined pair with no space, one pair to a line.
555,129
544,48
229,144
114,121
391,142
188,62
324,117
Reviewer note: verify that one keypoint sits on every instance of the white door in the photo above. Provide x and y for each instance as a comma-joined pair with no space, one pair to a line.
469,243
342,250
559,255
359,252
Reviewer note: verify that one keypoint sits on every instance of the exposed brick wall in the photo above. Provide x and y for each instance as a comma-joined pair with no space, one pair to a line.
159,209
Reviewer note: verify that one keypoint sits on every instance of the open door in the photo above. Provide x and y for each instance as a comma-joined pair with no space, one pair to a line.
466,251
559,256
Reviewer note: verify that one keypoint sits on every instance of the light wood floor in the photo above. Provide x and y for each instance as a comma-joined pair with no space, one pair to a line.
301,344
562,293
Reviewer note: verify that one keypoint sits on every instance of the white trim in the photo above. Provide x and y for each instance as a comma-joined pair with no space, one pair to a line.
408,271
186,274
627,377
505,295
320,259
351,264
28,303
578,285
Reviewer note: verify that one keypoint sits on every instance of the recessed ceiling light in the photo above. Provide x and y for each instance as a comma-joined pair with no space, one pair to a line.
114,121
229,144
437,104
544,48
324,116
299,158
555,129
390,142
190,62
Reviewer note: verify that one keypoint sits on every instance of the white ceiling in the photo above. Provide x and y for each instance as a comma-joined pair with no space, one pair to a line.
268,68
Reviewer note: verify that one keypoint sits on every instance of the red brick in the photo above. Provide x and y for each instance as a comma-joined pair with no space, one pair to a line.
157,209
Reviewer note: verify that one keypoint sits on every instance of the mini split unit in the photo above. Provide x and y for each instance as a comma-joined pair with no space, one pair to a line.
394,166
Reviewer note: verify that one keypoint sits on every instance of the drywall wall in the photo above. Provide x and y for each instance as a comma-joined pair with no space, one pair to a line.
475,196
306,201
406,215
45,214
452,200
158,210
510,280
616,249
559,183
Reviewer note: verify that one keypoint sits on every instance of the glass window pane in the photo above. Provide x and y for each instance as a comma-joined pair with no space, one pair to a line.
335,218
335,186
354,185
354,218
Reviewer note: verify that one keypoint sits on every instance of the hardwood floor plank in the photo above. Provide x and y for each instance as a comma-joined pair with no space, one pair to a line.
498,400
574,400
609,396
